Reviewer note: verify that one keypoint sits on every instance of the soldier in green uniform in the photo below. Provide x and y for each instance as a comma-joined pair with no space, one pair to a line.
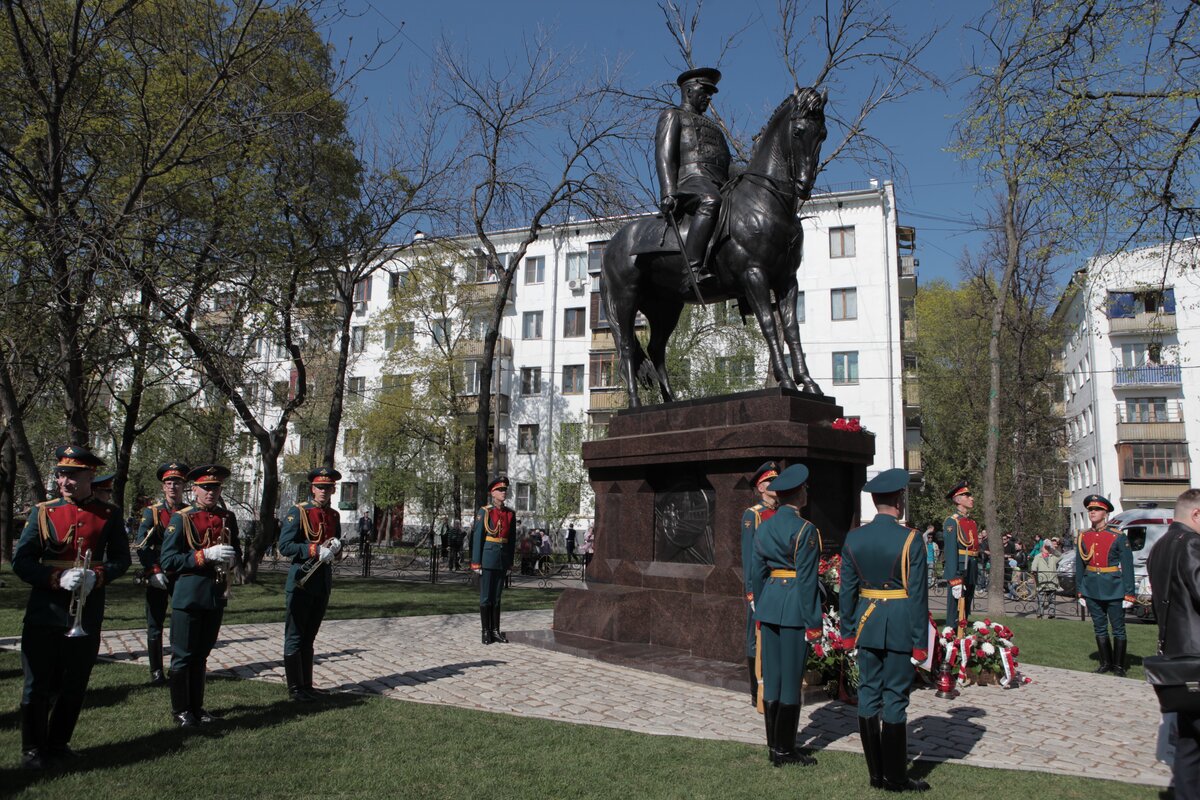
1104,577
492,546
960,543
885,614
787,602
58,538
753,517
102,488
155,519
201,546
311,537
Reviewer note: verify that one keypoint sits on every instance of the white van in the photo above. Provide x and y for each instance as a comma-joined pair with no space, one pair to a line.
1143,526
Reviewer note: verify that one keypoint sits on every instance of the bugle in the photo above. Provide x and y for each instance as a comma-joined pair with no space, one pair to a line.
309,567
75,609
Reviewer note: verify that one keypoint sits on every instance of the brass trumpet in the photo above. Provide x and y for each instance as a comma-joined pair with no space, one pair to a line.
309,567
75,609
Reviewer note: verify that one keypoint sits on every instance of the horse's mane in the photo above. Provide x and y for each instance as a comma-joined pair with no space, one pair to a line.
806,100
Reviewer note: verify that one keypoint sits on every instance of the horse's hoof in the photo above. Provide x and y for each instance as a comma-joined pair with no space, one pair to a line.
811,388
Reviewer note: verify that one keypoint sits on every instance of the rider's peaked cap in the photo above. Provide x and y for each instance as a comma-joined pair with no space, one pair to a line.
706,75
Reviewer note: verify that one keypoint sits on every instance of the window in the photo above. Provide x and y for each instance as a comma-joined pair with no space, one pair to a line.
604,370
844,304
735,371
526,497
577,266
595,257
477,327
531,325
527,437
358,338
535,269
571,433
1145,409
484,272
396,282
279,392
572,379
531,380
352,442
845,367
1154,461
573,322
362,290
470,377
568,496
1130,304
357,388
245,445
440,330
800,307
841,242
348,494
236,492
397,334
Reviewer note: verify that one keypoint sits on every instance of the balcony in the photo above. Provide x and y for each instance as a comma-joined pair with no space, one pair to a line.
1151,424
1145,322
1149,375
484,293
471,407
912,393
602,339
608,399
473,348
908,330
912,459
1151,492
908,276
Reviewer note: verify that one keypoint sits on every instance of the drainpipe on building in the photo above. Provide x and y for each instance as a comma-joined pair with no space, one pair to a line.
891,373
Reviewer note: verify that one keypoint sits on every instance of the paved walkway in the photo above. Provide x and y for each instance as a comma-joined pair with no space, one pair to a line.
1042,726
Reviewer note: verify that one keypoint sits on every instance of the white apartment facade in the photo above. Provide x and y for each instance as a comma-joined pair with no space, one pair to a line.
1131,387
556,362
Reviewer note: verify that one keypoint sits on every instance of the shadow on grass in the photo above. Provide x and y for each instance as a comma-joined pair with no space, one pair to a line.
168,741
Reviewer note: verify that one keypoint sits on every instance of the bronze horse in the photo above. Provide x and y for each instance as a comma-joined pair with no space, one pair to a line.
754,253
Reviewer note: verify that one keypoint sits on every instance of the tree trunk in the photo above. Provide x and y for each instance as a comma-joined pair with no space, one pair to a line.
991,503
15,423
337,402
8,484
268,525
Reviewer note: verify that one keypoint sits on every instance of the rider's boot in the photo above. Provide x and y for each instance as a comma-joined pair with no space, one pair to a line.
696,247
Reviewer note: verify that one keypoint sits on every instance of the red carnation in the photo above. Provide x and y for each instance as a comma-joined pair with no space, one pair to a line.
818,651
980,654
1016,651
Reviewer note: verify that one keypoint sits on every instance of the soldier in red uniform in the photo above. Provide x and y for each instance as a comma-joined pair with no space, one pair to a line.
492,547
201,547
149,541
59,538
1104,577
960,543
752,517
311,537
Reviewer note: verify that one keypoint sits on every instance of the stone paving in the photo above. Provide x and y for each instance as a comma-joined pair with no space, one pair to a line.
1042,726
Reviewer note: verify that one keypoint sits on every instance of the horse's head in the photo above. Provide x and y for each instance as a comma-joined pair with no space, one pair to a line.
808,132
789,145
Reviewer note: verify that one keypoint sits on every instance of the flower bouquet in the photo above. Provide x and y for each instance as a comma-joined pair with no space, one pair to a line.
984,655
847,424
827,657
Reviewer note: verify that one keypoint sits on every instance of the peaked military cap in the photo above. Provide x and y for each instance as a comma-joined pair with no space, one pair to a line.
499,480
324,476
706,75
76,457
208,475
959,488
767,471
888,481
793,477
1097,501
173,469
104,481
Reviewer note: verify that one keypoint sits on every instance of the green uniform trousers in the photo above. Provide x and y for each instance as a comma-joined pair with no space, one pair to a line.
193,634
884,679
784,651
305,612
1105,613
491,585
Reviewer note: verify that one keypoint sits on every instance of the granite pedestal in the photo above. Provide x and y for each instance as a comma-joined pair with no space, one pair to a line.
671,482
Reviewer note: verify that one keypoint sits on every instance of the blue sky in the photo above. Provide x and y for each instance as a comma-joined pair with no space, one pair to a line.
939,196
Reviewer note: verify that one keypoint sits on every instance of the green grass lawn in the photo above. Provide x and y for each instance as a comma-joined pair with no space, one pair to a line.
357,746
1071,644
352,598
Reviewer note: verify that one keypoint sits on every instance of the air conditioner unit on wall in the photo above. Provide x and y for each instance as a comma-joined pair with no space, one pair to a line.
575,284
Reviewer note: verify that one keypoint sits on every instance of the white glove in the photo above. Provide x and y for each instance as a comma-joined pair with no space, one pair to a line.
1082,603
89,582
324,553
478,571
70,578
159,581
1126,605
335,546
914,661
853,653
956,591
219,552
751,606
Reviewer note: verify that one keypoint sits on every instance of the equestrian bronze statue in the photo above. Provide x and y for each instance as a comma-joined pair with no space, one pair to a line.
754,252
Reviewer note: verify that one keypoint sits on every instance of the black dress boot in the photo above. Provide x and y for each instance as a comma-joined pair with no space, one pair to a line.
181,706
292,671
497,635
33,735
894,754
770,712
869,732
1118,656
197,675
696,247
753,681
485,623
1104,646
154,650
306,672
787,724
